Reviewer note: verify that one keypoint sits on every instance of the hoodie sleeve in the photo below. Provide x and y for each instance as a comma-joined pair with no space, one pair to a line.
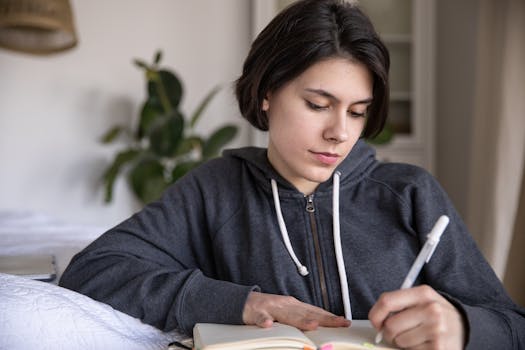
158,265
459,271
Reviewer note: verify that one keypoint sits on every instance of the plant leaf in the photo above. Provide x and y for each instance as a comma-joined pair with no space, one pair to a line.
166,135
111,134
202,106
158,57
151,111
188,144
166,86
182,168
385,136
147,179
141,64
113,170
217,140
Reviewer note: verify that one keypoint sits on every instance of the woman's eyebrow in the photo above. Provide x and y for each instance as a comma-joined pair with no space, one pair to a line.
326,94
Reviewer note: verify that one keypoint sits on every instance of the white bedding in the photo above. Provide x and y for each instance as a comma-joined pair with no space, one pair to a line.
39,315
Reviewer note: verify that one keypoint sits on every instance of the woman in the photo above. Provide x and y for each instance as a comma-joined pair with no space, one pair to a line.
249,237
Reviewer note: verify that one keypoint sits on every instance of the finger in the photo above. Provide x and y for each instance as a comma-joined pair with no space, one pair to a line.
395,301
403,321
423,346
334,321
297,318
399,328
263,320
326,318
412,338
425,323
329,320
306,316
423,335
298,314
256,309
306,324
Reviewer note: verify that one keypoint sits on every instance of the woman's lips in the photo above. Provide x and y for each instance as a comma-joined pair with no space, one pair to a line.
326,158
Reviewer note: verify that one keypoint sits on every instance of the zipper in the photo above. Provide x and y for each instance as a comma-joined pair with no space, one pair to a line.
310,208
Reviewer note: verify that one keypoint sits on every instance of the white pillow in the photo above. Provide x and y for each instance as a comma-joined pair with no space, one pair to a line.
39,315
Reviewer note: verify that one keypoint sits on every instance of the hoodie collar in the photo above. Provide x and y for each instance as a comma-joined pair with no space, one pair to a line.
359,162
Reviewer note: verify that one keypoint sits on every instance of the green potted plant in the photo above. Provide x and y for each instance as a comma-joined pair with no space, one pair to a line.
384,137
163,145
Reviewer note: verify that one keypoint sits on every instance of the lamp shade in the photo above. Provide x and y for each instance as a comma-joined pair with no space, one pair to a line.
36,26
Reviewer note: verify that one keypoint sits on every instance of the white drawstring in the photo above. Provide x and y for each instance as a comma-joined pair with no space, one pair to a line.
284,232
338,248
337,241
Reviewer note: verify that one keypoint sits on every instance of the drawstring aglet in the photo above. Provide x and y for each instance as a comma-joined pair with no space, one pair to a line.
302,270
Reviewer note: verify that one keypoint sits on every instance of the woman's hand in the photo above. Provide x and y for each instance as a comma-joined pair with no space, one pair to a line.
418,318
263,309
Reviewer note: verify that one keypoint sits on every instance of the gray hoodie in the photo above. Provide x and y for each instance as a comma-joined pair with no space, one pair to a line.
195,255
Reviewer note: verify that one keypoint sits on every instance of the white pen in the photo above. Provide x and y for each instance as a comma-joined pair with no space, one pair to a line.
423,257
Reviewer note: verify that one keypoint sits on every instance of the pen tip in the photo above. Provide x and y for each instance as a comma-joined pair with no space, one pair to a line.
379,337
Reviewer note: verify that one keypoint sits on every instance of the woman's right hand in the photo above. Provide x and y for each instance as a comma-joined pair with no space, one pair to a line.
263,309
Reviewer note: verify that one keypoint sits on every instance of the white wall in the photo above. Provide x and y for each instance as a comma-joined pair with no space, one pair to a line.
53,109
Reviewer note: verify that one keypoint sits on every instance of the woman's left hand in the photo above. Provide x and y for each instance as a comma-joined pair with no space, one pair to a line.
418,318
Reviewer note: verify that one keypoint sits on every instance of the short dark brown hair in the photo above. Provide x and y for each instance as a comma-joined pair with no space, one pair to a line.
303,34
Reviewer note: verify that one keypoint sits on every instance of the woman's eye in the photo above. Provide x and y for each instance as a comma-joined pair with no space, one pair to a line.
357,115
314,106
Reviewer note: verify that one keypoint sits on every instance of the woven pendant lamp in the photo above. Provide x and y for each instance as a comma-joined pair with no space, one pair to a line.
36,26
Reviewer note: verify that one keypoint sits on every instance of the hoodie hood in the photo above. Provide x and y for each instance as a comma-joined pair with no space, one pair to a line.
359,162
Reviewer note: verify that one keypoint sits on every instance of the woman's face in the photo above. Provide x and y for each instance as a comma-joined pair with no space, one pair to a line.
315,120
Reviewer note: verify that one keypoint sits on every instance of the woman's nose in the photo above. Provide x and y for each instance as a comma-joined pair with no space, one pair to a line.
336,130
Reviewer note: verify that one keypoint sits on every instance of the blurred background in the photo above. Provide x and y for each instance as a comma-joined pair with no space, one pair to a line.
457,105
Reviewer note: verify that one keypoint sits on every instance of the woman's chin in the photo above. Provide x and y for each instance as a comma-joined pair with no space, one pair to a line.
322,176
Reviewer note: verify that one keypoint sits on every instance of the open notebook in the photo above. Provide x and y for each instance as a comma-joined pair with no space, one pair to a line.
35,266
360,335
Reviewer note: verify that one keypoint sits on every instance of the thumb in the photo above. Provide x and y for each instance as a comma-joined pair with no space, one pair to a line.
264,320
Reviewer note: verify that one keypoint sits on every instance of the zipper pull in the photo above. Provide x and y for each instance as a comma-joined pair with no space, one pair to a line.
310,203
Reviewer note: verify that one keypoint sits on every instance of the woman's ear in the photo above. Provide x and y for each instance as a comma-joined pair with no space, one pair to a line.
266,103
